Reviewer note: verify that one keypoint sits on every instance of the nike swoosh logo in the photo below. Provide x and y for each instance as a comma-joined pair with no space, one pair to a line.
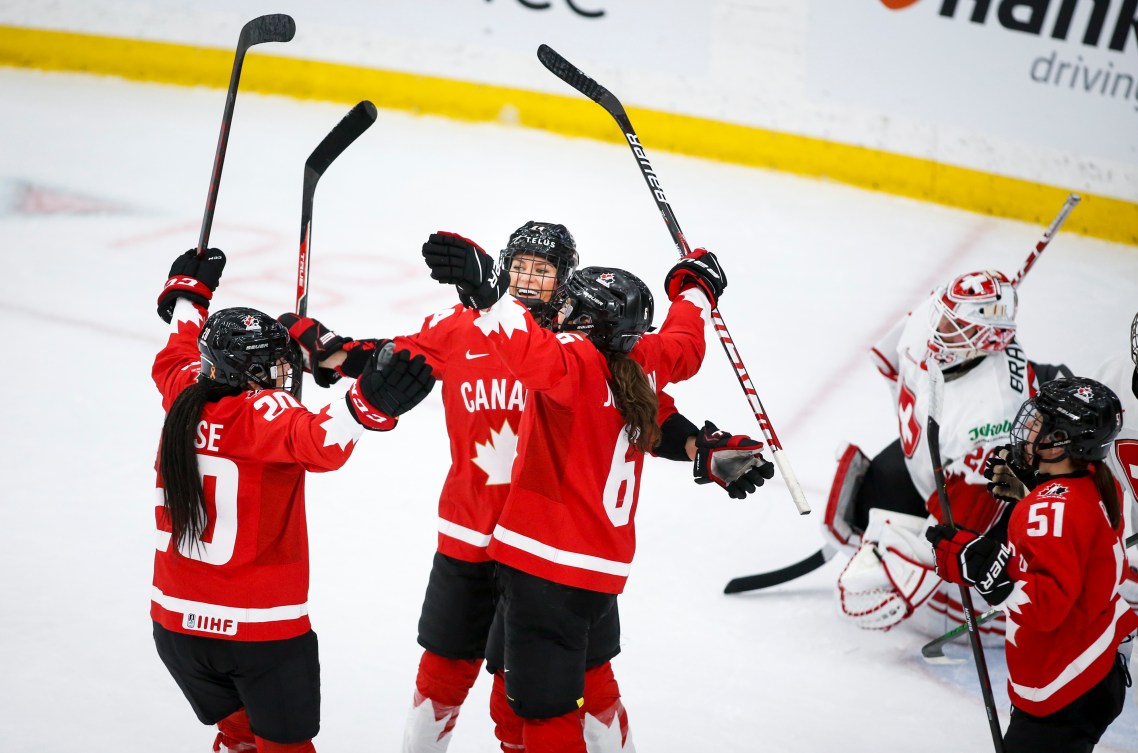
471,356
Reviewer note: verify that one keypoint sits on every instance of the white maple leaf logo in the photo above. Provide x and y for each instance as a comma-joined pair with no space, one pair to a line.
507,315
184,311
340,428
1014,603
496,456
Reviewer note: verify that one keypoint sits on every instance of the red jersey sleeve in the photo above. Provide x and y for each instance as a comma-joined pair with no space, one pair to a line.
438,339
178,364
676,351
541,360
278,429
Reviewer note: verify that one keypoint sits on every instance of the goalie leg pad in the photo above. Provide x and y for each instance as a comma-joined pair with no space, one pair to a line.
838,525
890,575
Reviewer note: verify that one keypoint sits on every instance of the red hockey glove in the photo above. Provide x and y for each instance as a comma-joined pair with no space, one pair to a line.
316,342
735,462
461,262
966,559
191,278
391,384
698,269
1009,482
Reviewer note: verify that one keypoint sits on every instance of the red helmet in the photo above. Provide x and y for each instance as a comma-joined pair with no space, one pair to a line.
971,316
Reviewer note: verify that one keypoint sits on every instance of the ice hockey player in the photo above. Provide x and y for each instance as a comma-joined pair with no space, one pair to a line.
1058,576
230,595
877,508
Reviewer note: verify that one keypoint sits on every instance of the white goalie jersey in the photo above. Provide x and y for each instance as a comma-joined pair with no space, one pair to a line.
979,405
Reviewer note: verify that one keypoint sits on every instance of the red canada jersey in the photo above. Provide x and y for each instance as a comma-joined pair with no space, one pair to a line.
246,578
570,513
483,405
1065,618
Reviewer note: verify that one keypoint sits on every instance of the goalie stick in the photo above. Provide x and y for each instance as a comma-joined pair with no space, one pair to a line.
936,399
827,552
276,27
573,76
350,127
933,651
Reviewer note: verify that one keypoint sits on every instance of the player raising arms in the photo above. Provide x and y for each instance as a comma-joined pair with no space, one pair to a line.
565,538
877,508
230,595
1057,579
483,403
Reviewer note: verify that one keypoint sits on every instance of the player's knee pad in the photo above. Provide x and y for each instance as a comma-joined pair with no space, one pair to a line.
837,524
890,575
234,735
446,681
507,724
606,719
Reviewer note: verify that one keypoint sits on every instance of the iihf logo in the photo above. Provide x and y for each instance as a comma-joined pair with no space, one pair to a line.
189,620
1085,394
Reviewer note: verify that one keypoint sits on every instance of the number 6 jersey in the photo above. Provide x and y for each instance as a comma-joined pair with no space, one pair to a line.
246,578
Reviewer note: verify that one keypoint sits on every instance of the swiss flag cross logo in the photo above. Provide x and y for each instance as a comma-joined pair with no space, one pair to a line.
1126,450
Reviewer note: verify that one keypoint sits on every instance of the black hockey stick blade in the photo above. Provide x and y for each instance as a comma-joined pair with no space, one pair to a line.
785,575
350,128
275,27
581,81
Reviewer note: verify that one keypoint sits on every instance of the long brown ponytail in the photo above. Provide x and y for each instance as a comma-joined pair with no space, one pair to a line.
1104,482
183,496
636,401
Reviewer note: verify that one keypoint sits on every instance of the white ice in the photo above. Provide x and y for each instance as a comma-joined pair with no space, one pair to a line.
817,270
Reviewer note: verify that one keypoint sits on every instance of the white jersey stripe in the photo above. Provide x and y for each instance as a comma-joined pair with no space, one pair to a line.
561,556
464,534
237,614
1101,645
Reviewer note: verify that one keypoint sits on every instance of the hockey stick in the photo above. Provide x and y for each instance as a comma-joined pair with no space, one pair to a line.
933,651
778,577
1071,202
826,553
936,400
350,127
276,27
573,76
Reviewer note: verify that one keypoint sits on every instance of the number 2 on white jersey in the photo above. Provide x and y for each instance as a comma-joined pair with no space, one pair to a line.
1042,523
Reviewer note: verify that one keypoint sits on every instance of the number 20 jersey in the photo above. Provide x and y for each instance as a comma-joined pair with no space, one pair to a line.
246,578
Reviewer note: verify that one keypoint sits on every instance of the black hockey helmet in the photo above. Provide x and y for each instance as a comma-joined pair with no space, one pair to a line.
1079,415
243,345
1134,341
549,241
612,307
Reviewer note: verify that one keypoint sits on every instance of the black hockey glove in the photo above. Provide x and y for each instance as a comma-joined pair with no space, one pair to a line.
1008,481
191,278
698,269
316,342
461,262
391,384
967,559
735,462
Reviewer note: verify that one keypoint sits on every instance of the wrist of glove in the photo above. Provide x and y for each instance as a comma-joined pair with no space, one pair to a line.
698,269
965,558
317,343
458,261
392,383
733,461
1008,482
191,278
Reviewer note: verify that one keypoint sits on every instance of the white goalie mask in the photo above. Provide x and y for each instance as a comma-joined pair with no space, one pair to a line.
971,316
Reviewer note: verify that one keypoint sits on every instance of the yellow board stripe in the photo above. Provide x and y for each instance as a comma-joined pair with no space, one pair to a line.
1099,216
